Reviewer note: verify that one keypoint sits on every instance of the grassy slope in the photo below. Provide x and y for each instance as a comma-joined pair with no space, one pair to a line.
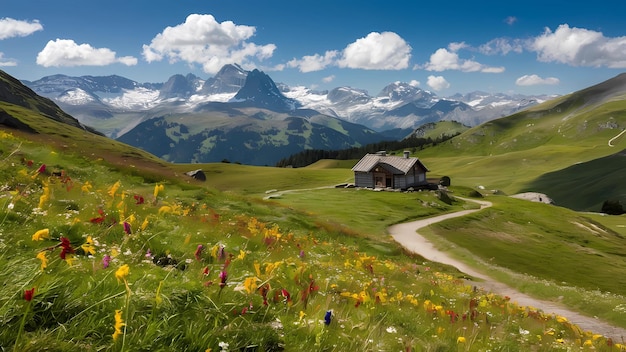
509,154
310,245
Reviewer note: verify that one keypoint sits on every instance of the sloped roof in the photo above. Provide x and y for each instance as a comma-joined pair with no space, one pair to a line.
398,164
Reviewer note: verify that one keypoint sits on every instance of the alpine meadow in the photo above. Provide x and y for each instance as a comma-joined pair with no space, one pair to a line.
106,247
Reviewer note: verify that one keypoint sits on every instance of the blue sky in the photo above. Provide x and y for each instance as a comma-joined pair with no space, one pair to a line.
530,47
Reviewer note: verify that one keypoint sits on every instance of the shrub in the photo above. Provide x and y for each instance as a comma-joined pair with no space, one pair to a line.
612,207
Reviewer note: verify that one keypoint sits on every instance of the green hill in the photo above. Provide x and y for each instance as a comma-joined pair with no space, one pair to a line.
510,154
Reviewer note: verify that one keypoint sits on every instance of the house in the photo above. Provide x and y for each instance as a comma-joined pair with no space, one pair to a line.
389,171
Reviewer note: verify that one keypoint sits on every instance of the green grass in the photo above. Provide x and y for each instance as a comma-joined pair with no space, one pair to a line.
380,299
554,249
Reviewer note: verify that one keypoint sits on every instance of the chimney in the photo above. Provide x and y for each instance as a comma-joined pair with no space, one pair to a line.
406,154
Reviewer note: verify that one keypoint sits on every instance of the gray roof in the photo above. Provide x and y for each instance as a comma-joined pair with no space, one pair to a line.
397,164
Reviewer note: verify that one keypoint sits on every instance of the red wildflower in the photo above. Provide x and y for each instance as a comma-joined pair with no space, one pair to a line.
127,228
198,252
28,294
286,295
205,271
263,290
138,199
99,219
66,247
42,169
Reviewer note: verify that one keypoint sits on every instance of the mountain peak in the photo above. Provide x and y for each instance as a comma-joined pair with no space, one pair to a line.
229,79
260,91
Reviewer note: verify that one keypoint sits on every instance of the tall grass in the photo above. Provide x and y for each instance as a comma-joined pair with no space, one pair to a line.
125,264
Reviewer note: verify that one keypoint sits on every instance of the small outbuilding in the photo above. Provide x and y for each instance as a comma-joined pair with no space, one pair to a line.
389,171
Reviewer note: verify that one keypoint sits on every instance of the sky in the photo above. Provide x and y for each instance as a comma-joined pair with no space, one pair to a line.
448,47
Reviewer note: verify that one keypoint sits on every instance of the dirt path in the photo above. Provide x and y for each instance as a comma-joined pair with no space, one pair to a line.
406,234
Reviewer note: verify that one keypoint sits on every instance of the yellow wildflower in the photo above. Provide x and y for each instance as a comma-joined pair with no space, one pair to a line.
41,235
302,314
119,323
242,254
460,339
86,187
70,259
88,246
250,284
44,260
257,268
122,273
158,188
114,189
588,343
144,224
45,196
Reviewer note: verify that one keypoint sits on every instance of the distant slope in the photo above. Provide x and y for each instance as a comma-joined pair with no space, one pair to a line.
511,152
13,92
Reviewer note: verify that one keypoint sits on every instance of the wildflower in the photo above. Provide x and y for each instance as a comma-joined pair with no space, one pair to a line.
44,260
86,187
144,224
40,170
242,254
328,317
198,252
106,260
88,246
119,323
263,290
250,284
28,294
301,315
223,278
100,219
158,188
460,339
122,273
138,199
286,295
66,247
11,206
114,189
223,346
588,343
127,229
41,235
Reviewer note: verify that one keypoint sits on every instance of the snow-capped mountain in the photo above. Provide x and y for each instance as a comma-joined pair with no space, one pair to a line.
398,105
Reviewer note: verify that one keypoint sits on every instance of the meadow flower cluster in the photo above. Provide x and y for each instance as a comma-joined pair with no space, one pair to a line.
94,259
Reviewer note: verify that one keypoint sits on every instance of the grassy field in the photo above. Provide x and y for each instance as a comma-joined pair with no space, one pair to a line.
111,259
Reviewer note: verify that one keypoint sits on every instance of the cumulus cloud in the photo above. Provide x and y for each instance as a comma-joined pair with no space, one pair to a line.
580,47
328,79
437,83
10,27
377,51
202,40
315,62
448,59
533,80
414,83
6,62
502,46
65,52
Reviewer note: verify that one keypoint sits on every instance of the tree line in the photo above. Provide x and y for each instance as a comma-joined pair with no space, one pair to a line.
310,156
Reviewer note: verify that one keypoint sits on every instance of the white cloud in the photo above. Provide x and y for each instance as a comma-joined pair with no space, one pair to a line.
10,27
377,51
6,62
414,83
202,40
444,59
501,46
510,20
580,47
65,52
328,79
315,62
533,80
437,83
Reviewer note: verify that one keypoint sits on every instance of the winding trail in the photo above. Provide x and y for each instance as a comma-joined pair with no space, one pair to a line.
406,234
616,137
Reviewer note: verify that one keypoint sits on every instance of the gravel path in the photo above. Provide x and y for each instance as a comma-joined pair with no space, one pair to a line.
406,234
